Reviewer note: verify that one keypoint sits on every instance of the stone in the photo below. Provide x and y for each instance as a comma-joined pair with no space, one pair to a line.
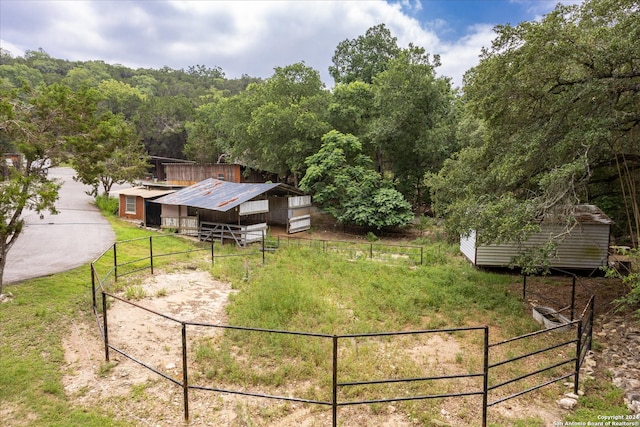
572,396
567,403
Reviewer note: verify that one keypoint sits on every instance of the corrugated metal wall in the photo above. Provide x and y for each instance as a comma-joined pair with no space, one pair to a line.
586,247
468,246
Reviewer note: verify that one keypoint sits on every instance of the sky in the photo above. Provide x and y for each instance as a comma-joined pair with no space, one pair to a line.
254,37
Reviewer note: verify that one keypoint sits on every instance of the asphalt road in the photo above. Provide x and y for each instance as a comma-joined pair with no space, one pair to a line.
56,243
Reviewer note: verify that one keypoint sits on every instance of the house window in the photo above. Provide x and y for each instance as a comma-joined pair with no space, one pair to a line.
130,205
221,176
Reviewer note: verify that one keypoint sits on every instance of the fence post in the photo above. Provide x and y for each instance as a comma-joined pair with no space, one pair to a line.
593,309
263,248
151,252
115,262
524,287
371,251
334,381
576,379
185,376
485,380
213,262
573,297
106,328
421,254
93,287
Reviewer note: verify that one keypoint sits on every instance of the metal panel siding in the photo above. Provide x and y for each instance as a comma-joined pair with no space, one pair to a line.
468,246
254,207
255,232
299,223
299,201
586,247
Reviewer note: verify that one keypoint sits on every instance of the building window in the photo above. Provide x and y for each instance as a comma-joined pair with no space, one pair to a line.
130,205
221,176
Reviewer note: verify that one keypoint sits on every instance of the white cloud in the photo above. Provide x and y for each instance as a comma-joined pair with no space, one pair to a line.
246,37
459,57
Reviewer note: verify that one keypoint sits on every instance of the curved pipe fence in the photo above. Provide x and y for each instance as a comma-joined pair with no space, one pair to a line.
482,382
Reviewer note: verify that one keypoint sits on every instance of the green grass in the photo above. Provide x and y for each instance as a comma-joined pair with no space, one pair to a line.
298,288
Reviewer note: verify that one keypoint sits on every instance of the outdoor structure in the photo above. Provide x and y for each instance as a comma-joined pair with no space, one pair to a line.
217,210
584,247
158,166
188,174
135,204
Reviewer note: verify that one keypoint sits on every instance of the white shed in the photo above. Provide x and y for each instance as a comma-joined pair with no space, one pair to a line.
586,246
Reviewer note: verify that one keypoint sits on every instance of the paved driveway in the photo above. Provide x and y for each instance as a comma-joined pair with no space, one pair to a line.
56,243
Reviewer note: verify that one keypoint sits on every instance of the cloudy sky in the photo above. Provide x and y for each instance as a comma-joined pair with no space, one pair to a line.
253,37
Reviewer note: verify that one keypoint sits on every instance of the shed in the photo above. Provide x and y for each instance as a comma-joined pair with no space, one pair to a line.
216,209
188,174
584,247
135,204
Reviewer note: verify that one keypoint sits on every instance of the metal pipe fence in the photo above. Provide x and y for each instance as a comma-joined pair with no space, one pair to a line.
371,250
580,342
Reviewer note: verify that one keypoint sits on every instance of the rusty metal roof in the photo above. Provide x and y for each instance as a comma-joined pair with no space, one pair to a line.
215,194
145,193
582,214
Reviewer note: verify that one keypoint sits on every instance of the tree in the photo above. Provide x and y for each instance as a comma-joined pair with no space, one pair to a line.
38,123
274,125
111,153
119,97
361,59
559,99
160,122
352,110
344,183
414,124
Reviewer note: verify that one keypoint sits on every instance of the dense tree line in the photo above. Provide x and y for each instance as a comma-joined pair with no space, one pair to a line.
549,118
157,102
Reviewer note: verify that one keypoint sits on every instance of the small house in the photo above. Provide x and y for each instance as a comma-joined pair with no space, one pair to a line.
584,247
135,204
217,210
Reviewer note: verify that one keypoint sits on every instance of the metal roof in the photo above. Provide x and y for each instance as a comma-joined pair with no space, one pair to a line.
582,214
145,193
215,194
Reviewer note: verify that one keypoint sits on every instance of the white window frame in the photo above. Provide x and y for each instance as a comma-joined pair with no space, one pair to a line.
130,204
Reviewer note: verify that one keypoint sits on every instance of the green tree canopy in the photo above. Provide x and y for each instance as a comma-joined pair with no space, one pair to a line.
559,99
38,124
362,58
274,125
344,183
414,124
111,153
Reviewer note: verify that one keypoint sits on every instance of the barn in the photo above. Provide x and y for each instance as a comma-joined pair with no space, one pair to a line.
585,247
220,210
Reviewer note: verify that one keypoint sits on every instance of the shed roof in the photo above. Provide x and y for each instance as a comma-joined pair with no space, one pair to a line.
583,214
145,193
218,195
